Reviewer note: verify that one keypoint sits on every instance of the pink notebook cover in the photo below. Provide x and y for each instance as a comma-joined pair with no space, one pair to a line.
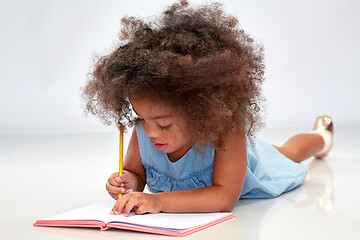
160,226
132,227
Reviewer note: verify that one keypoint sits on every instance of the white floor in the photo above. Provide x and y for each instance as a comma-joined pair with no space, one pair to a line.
45,174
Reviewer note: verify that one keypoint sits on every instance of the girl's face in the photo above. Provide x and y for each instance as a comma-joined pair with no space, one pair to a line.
164,127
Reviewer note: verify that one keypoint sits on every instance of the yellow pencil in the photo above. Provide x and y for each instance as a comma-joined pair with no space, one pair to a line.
121,150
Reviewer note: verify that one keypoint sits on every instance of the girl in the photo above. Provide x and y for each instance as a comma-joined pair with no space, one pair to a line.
193,78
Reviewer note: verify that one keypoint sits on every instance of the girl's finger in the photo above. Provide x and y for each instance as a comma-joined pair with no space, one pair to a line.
117,190
113,182
122,179
141,210
112,189
115,210
129,191
120,204
133,202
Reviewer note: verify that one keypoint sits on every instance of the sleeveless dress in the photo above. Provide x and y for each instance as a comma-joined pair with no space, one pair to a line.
269,173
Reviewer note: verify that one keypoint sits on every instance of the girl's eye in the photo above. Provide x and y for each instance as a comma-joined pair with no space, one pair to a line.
164,127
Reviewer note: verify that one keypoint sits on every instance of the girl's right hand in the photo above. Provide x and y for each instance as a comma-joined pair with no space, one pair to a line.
124,184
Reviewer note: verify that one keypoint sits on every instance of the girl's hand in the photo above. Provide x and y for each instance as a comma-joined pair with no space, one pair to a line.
124,184
138,202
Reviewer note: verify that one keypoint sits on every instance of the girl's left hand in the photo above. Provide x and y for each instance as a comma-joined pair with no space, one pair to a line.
137,201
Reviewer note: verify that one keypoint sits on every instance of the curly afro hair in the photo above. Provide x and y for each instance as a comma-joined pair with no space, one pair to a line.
195,59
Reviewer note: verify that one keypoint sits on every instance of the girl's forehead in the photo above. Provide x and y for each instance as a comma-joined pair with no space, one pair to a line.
151,109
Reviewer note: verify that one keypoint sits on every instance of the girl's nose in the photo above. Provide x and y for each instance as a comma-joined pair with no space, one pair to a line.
151,132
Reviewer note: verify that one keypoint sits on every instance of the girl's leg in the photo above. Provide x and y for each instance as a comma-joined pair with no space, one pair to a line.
318,143
302,146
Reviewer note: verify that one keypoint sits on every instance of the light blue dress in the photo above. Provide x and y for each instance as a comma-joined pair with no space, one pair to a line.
269,173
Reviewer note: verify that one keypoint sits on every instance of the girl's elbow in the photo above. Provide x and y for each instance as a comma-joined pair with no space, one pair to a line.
228,204
227,199
227,209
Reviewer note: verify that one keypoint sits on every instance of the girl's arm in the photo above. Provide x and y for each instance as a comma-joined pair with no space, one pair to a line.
134,176
229,173
230,165
133,163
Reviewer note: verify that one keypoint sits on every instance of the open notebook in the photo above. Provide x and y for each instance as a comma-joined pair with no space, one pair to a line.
98,215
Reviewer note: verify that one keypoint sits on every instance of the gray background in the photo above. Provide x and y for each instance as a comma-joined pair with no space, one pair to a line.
311,48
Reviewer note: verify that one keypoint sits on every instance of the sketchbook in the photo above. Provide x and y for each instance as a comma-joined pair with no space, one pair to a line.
98,216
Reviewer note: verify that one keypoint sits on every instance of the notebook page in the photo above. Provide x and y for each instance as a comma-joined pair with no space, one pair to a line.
173,220
101,211
97,211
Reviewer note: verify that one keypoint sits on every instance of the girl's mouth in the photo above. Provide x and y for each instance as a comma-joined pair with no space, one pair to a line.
160,147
